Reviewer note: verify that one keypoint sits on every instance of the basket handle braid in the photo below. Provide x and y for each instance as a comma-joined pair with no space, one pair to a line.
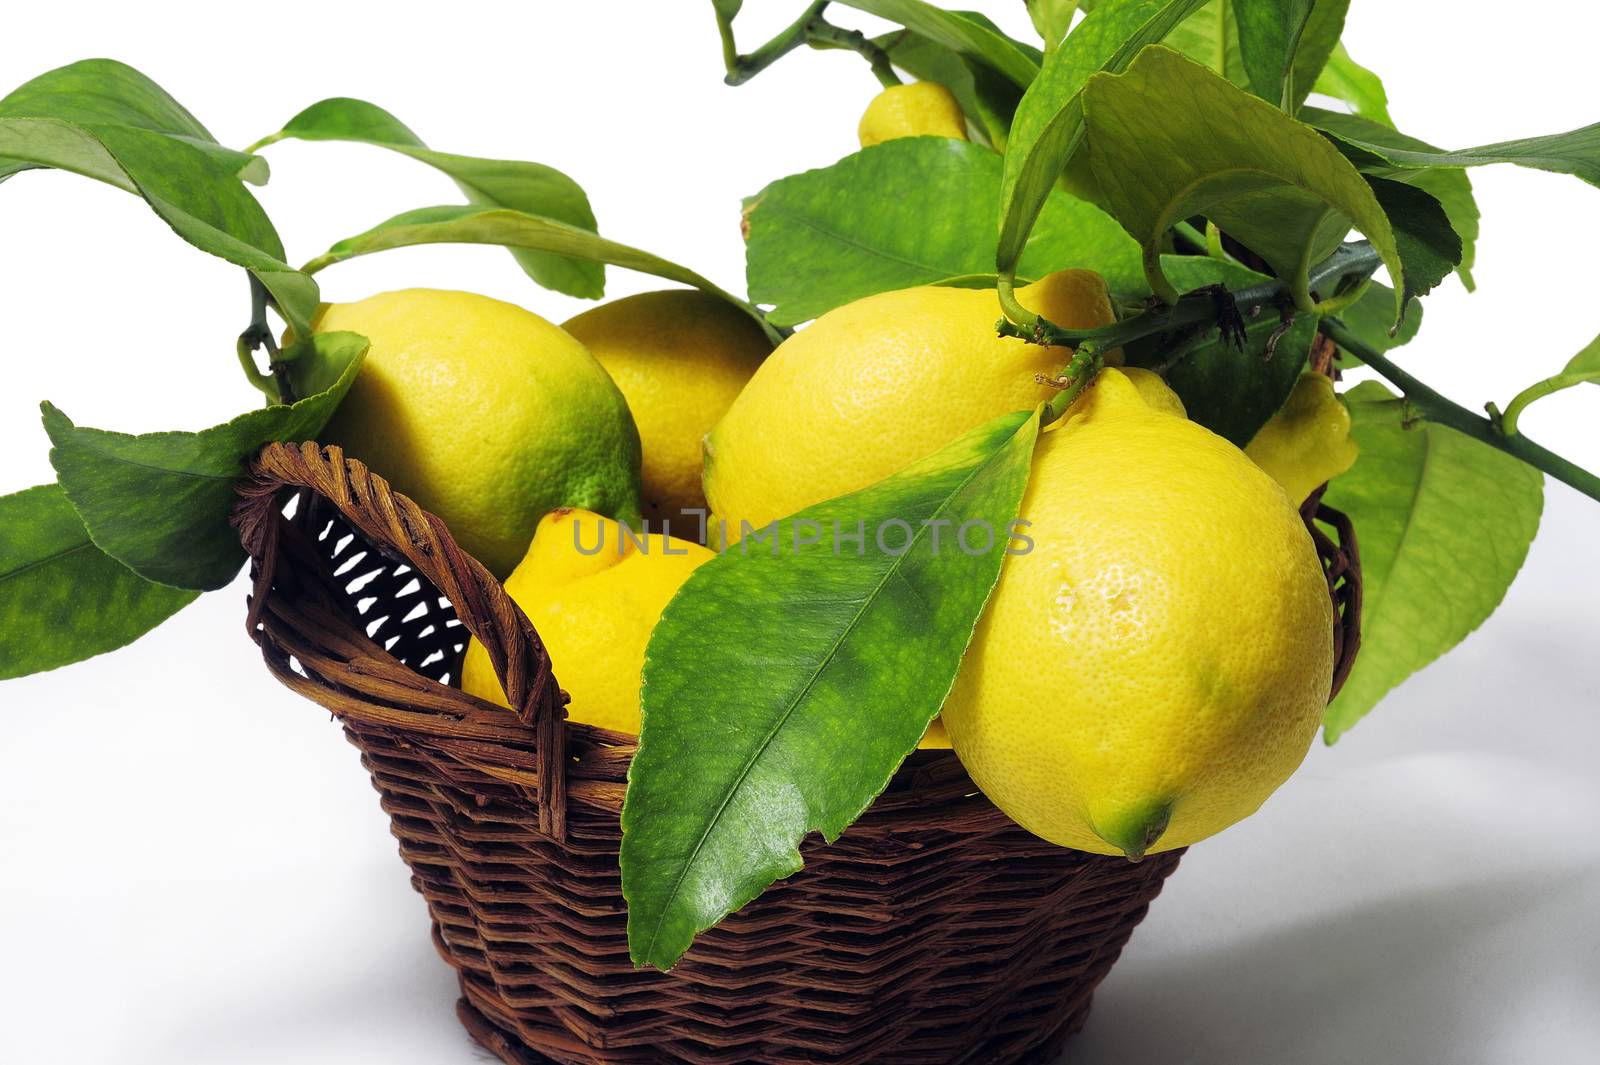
388,518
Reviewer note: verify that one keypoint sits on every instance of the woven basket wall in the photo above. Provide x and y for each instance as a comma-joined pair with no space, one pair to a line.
933,931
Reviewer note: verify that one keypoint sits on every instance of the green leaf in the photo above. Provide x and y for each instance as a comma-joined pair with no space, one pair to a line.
1444,524
1586,362
783,686
1048,127
159,503
1426,240
1451,187
1318,44
907,212
1576,152
106,121
1345,79
1269,38
95,93
515,229
197,196
1230,389
521,186
1052,19
975,37
1157,154
61,598
1212,36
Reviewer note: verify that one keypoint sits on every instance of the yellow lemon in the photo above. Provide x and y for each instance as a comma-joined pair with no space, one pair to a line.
1157,664
871,387
1306,443
920,109
593,591
485,414
679,357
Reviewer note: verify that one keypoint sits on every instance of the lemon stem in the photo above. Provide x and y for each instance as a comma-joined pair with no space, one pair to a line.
247,362
1538,390
1085,366
1014,311
258,334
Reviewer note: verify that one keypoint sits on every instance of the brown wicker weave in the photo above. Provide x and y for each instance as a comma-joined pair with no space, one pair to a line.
935,930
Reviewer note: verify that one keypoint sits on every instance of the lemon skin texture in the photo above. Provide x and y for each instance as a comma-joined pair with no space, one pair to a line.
874,385
1158,663
485,414
1306,443
594,611
920,109
680,358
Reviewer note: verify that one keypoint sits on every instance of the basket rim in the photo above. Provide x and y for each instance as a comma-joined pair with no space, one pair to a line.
539,727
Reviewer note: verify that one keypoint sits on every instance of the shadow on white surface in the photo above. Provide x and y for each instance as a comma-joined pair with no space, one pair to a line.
1379,982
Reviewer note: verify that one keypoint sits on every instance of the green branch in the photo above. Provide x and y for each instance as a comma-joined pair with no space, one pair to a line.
1196,313
1438,409
809,29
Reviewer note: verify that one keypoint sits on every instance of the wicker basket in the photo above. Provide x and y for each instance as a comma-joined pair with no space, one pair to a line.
934,930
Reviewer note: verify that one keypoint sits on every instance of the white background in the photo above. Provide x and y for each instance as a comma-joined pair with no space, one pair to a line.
193,867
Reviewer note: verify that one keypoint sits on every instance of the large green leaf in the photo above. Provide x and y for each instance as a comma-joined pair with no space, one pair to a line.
961,32
61,598
1157,154
1444,522
1427,242
1211,36
1052,19
190,182
95,93
521,186
1576,152
1450,186
159,502
785,683
515,229
1215,34
1318,44
910,212
1269,40
1048,127
1230,388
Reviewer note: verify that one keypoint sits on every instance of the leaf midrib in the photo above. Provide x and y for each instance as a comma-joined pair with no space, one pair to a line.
1376,612
866,601
45,561
90,443
851,242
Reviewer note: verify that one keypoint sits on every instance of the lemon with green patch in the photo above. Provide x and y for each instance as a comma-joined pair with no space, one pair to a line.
1157,665
485,414
1307,443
